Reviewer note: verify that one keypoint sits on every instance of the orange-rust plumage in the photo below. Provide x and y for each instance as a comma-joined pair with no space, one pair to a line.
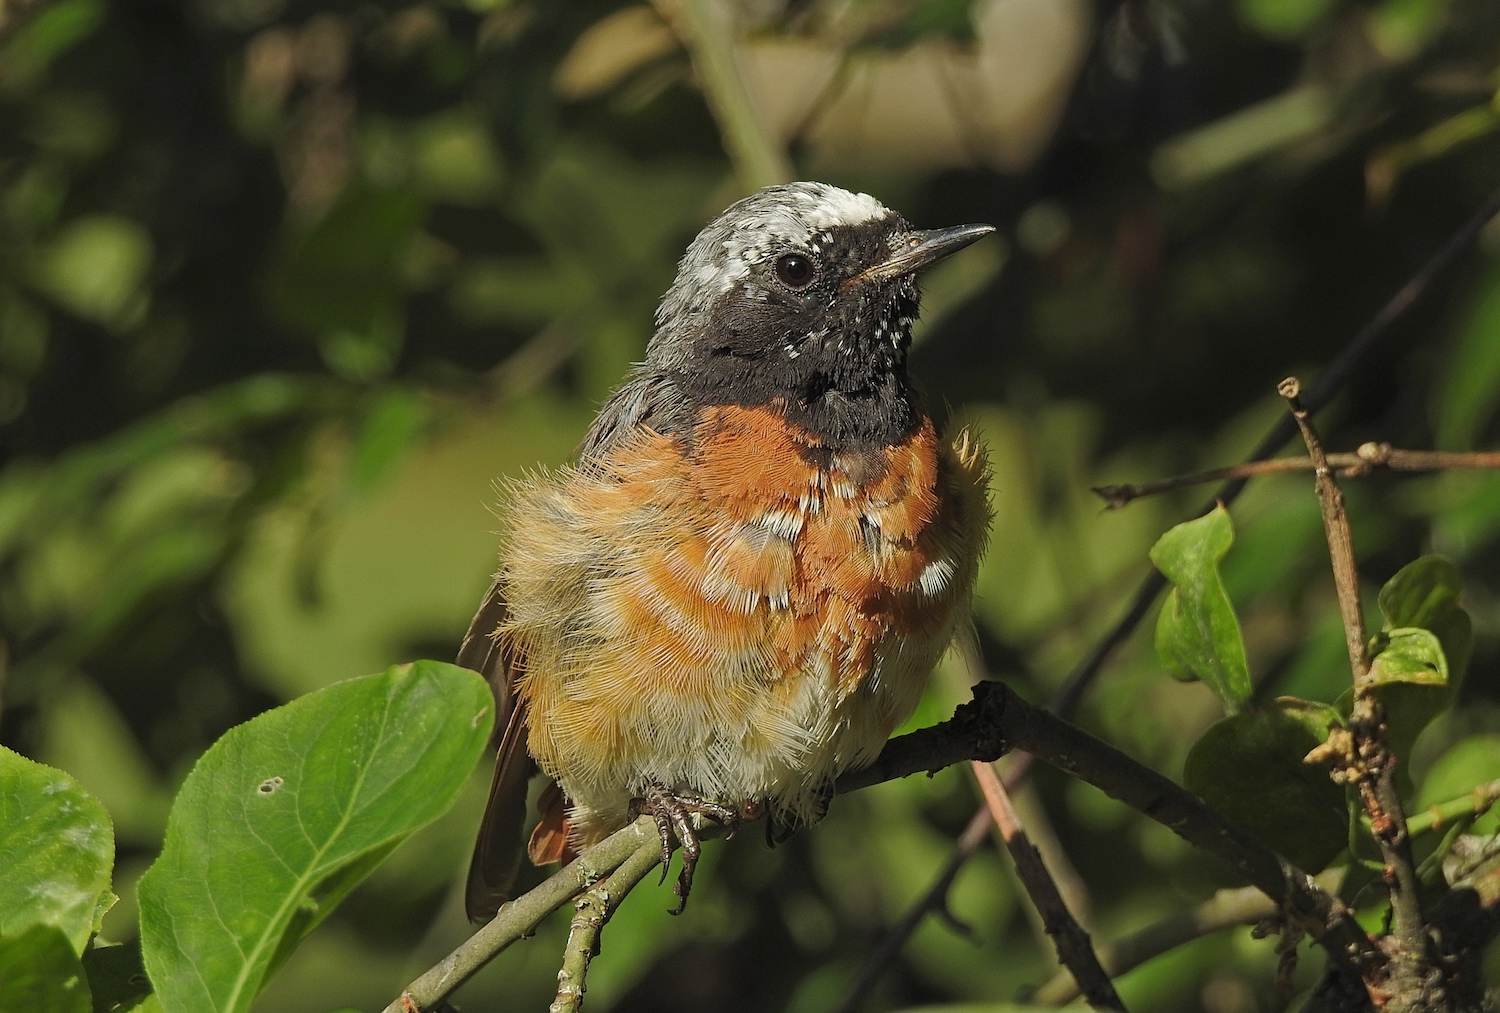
734,618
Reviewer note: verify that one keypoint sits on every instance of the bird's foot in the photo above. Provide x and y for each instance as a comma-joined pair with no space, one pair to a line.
673,810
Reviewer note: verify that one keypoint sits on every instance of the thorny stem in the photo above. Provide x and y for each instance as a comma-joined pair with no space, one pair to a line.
1366,761
1074,949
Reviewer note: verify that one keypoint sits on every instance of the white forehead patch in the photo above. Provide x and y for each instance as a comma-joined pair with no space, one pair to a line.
762,225
826,206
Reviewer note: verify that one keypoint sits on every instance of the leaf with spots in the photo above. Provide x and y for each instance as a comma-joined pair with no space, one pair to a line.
286,813
57,850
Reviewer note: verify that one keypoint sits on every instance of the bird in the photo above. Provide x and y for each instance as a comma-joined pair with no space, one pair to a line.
742,584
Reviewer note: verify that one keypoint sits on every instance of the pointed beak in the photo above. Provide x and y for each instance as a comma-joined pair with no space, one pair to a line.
920,250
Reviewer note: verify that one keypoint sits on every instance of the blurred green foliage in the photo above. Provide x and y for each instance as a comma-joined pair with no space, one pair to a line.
286,287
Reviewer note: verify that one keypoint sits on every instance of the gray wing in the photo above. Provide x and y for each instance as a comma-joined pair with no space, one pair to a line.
648,399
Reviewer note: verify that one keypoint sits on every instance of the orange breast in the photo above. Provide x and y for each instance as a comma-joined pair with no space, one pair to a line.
744,612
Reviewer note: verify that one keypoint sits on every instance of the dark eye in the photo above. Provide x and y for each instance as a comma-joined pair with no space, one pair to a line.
794,270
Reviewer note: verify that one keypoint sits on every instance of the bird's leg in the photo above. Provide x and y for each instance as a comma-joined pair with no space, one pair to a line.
673,811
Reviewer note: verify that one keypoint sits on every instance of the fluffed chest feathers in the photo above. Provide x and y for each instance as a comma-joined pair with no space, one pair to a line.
744,615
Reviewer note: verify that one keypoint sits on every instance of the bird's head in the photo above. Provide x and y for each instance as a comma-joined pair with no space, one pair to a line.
802,296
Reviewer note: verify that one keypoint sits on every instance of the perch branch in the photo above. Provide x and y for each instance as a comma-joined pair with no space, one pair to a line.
592,909
1074,949
1368,458
972,733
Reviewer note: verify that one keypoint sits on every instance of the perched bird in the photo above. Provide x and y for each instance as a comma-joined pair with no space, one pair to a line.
742,586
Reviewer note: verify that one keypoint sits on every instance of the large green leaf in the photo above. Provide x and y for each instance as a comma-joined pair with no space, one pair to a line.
57,850
1250,767
1197,633
40,973
283,816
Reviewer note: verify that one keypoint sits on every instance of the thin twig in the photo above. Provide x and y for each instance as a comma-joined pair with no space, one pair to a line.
1074,949
520,917
1361,757
1473,805
934,900
706,29
1328,384
1368,458
1227,908
592,910
1336,526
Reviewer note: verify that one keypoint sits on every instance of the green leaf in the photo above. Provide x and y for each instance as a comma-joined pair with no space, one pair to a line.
284,814
1286,20
1423,650
40,973
1424,593
57,849
392,423
96,267
1197,633
1412,656
1250,767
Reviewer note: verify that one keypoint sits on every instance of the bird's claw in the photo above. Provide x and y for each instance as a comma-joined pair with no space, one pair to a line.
673,811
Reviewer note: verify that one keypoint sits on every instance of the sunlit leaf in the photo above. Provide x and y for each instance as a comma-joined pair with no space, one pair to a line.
1424,593
57,851
95,268
1198,634
1250,767
299,804
1410,656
